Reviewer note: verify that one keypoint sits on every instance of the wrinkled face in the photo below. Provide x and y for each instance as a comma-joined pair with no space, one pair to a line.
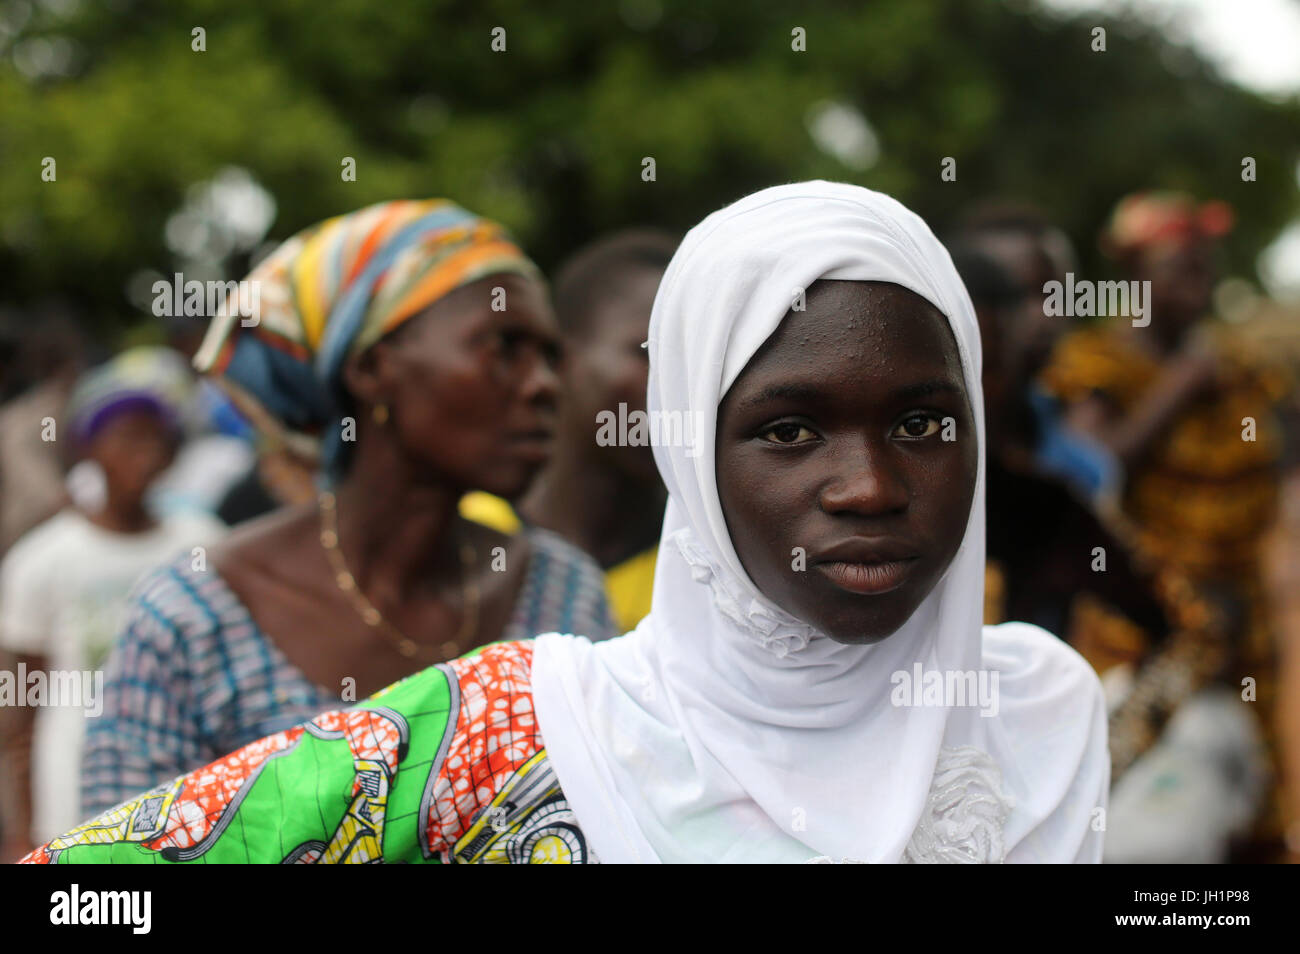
133,448
471,384
833,440
607,366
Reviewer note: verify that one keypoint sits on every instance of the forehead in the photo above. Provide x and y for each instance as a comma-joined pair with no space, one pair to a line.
1188,250
130,420
617,308
628,294
1020,253
851,327
491,300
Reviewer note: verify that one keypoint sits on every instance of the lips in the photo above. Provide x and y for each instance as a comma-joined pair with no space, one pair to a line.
536,444
867,566
868,578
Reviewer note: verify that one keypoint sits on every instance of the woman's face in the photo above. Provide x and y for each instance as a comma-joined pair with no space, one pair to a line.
134,448
1182,276
471,384
832,440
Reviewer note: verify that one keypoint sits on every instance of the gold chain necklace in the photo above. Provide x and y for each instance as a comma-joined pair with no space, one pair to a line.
329,539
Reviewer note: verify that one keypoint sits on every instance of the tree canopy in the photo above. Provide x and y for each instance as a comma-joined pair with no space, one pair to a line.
550,134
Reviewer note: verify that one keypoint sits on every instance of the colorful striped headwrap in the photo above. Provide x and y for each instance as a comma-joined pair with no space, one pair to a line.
332,291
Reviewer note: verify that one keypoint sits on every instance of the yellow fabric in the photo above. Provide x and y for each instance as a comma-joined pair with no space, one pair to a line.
1204,496
490,511
995,593
628,585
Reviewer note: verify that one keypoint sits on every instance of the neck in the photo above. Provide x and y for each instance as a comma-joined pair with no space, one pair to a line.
610,514
398,533
1166,333
1169,340
123,514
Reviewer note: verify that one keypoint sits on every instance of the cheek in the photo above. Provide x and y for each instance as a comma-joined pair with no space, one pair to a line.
451,415
946,492
628,379
763,506
136,466
463,394
610,376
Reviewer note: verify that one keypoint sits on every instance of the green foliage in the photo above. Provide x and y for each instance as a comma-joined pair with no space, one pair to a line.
549,136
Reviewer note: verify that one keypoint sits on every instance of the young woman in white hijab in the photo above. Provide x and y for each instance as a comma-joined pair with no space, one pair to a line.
821,566
765,709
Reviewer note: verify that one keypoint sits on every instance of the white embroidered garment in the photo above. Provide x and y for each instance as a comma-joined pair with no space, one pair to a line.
722,728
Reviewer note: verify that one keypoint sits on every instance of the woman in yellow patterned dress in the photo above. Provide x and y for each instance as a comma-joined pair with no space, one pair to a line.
1191,421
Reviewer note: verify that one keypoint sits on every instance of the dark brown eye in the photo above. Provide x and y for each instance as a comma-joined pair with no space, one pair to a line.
918,425
789,433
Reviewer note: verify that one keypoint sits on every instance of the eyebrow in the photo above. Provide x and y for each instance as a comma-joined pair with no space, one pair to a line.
925,388
783,392
805,392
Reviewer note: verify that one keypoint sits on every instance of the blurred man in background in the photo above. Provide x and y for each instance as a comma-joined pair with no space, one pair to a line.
1030,252
607,500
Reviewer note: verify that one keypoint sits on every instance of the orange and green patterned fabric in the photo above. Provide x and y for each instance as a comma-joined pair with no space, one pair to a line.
445,766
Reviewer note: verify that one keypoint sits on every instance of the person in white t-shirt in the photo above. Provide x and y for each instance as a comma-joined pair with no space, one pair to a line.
63,588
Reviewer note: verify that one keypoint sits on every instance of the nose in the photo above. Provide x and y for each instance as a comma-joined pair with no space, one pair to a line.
865,484
541,382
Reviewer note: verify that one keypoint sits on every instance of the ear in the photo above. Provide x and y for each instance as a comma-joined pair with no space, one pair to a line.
366,376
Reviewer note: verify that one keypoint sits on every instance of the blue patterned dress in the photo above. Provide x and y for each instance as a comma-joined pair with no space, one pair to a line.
193,676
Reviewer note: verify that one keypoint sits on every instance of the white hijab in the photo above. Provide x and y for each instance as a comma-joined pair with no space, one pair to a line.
724,729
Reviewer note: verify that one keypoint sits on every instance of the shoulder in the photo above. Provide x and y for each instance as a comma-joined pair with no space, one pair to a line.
47,537
558,562
195,525
565,589
264,544
496,671
560,553
30,577
1052,715
490,793
1050,701
491,735
38,556
174,605
1037,670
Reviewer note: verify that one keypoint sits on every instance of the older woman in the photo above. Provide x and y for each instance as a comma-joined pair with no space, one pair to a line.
410,346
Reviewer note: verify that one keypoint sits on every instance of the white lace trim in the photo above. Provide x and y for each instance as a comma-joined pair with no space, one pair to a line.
964,813
771,628
966,808
964,816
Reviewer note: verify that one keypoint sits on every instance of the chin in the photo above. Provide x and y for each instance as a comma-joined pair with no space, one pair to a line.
856,628
509,480
860,636
858,639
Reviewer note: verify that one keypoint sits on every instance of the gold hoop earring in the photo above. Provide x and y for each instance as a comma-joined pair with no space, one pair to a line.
381,413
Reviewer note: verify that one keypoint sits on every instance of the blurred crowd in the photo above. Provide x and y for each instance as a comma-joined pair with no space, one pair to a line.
168,528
